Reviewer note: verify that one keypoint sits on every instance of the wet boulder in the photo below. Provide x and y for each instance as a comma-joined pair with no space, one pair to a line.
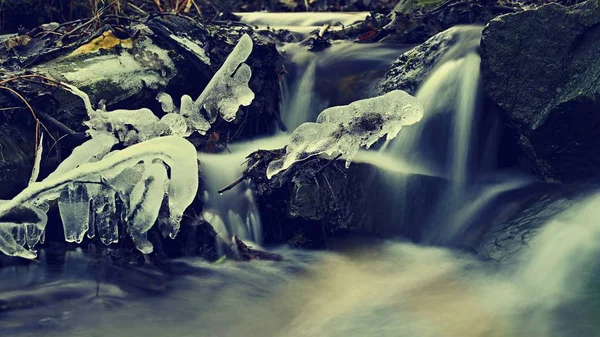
505,234
317,202
541,68
412,68
313,202
414,21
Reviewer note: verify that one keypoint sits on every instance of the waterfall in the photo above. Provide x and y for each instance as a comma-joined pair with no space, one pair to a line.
443,143
338,75
299,103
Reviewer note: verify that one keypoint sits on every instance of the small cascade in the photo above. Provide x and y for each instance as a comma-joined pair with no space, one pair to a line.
300,22
300,105
444,143
234,212
449,94
338,75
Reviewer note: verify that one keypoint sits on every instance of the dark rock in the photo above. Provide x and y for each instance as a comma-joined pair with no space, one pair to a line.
542,68
412,68
318,202
313,202
414,21
518,218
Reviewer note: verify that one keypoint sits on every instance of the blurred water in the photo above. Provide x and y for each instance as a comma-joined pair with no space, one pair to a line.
388,289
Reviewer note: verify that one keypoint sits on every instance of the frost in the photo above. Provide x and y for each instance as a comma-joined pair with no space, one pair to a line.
345,129
88,191
192,47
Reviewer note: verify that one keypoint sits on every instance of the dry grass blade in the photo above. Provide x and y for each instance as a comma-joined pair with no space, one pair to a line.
158,5
37,121
188,6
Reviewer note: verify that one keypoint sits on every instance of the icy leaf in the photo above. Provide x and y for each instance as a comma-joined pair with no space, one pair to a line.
345,129
228,89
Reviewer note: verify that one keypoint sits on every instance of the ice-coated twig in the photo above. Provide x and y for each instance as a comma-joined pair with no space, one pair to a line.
175,152
343,130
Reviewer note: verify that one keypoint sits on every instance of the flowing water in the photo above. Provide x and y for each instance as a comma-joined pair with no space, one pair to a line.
384,288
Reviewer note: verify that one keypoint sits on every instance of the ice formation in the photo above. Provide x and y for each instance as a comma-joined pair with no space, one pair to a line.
228,89
89,187
345,129
96,188
224,94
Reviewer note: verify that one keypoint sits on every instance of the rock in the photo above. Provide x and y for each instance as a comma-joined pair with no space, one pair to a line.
411,68
317,202
414,21
541,67
516,219
314,201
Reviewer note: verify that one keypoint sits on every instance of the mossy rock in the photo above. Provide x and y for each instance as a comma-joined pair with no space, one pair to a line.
410,6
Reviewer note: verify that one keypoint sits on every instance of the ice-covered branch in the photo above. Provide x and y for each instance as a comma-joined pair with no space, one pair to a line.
345,129
136,175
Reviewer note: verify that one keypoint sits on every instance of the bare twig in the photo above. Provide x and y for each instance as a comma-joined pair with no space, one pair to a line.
61,126
137,9
37,121
234,184
158,5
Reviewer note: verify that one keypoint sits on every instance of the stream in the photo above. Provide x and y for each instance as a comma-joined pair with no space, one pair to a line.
423,284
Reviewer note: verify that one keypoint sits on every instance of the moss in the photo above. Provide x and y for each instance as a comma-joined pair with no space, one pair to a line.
428,2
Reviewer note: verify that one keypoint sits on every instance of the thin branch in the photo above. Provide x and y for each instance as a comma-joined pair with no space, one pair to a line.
61,126
234,184
329,163
37,121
